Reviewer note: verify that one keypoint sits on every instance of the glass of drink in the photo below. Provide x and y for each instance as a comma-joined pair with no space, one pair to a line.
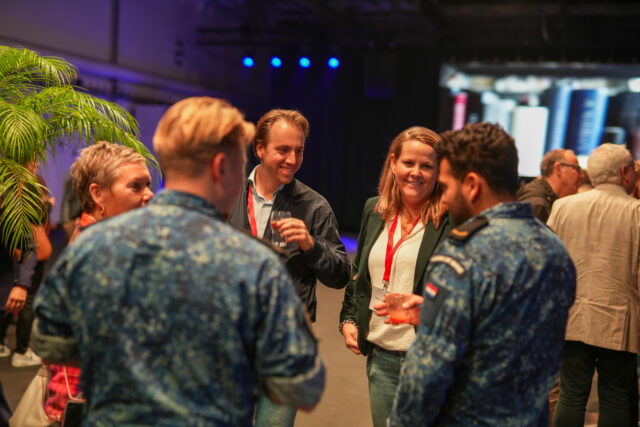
397,314
276,237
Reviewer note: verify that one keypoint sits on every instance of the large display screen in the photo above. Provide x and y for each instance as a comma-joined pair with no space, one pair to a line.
546,105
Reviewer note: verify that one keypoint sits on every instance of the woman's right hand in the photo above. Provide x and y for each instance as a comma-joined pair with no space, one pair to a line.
350,334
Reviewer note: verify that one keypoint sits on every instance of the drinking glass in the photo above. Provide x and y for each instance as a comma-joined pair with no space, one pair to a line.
276,237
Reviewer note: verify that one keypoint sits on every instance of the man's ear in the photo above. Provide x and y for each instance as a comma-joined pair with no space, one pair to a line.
627,177
259,150
471,187
218,166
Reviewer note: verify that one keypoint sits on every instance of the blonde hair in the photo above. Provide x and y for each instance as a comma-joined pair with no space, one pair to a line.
195,129
267,121
99,164
390,202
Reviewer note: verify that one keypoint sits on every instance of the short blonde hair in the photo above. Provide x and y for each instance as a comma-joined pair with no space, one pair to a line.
193,130
99,164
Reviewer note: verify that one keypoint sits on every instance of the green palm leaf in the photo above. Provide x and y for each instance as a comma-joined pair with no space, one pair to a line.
21,205
40,110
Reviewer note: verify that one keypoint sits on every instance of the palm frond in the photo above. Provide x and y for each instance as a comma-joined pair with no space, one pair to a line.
21,132
41,110
76,117
22,70
20,205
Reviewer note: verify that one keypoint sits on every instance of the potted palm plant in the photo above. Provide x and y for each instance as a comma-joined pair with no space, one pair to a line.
40,111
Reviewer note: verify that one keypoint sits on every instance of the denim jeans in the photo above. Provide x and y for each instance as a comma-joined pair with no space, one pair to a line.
617,385
271,414
383,372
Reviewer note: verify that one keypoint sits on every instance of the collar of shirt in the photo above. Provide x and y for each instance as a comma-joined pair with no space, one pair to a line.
252,180
261,206
186,200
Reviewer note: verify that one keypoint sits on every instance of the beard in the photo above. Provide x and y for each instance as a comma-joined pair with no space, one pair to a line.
460,210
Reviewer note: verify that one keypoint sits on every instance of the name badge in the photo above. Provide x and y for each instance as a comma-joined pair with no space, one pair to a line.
377,294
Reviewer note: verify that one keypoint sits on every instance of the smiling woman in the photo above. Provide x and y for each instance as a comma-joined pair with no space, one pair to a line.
400,230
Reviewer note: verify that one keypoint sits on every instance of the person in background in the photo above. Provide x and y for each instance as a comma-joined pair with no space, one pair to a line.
20,277
23,355
108,179
497,294
175,317
16,271
71,208
313,248
560,176
404,224
585,183
601,229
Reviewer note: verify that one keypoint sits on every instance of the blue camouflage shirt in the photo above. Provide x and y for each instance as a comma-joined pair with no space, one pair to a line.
489,343
177,318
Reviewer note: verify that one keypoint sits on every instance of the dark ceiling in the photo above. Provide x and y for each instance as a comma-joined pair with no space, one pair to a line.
604,27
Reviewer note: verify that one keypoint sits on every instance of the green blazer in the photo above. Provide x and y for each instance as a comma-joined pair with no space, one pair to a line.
357,295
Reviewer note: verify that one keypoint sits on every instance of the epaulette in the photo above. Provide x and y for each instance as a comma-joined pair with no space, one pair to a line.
463,232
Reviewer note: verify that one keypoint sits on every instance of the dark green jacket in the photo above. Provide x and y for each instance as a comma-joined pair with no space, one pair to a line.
357,295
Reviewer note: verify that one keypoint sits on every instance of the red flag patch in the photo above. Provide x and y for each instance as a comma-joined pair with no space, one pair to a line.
431,291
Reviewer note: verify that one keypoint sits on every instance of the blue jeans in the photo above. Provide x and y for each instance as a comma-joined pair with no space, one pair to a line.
617,385
383,372
271,414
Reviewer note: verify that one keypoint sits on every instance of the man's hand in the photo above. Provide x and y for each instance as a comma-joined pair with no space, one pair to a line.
294,230
17,297
350,334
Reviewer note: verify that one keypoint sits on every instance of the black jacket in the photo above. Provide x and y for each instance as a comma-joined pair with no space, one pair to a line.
539,193
326,261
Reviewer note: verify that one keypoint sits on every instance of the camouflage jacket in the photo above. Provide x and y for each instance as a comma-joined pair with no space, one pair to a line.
489,343
177,318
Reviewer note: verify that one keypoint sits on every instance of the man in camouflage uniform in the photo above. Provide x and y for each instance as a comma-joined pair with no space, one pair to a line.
497,293
176,318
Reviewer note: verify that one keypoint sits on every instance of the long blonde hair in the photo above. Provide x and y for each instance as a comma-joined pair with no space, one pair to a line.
390,202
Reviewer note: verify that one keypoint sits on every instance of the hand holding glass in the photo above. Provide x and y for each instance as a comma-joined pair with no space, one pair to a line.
276,237
394,302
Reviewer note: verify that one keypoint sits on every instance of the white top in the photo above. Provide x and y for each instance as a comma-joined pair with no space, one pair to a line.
261,206
403,267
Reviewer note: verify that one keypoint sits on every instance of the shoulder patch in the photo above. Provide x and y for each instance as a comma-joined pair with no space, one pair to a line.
451,262
463,232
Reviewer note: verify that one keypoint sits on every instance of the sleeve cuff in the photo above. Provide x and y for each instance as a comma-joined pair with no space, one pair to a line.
53,347
314,254
300,391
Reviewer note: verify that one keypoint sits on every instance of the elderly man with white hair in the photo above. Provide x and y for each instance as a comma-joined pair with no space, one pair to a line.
601,229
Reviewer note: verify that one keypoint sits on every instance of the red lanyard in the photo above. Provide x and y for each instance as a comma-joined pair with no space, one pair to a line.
252,214
391,249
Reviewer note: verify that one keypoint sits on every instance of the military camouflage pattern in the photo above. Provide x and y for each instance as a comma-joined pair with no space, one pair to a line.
489,343
177,318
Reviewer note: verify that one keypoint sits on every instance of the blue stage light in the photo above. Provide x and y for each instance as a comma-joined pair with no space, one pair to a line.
304,62
276,62
333,62
247,61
